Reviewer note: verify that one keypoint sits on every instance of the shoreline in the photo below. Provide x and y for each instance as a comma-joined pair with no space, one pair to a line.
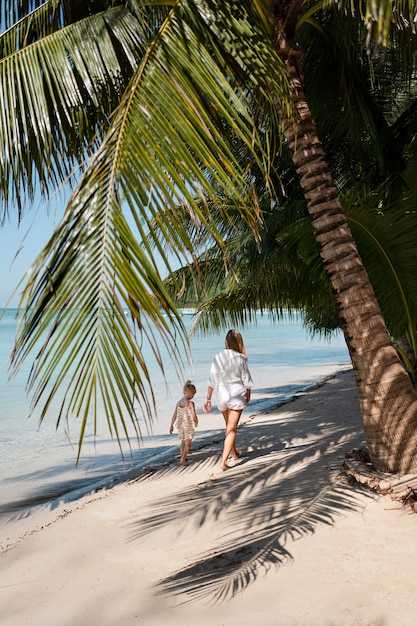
61,493
15,523
39,463
279,540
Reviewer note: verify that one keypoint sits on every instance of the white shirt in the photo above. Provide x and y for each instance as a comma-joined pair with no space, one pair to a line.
230,368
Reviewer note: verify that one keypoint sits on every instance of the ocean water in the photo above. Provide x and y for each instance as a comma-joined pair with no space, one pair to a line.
38,463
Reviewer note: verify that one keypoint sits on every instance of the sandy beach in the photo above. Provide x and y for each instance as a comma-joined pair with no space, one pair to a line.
283,538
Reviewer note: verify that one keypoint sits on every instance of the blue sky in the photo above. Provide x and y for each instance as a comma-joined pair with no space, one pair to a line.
25,241
19,246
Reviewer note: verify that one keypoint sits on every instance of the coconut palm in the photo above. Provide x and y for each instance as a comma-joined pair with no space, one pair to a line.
387,398
293,278
176,136
379,203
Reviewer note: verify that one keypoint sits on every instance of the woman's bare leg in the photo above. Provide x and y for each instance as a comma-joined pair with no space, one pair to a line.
232,420
234,452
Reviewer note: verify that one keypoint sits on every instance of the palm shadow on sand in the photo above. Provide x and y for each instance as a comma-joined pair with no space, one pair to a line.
284,488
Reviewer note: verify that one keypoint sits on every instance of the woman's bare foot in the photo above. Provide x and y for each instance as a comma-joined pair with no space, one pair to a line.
183,461
225,467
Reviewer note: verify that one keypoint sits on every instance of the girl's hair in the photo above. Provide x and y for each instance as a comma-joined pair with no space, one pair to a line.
234,342
189,386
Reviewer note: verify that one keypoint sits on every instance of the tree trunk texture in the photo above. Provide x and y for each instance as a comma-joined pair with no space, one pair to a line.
387,396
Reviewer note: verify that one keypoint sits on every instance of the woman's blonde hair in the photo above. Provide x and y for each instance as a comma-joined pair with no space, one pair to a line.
189,386
234,341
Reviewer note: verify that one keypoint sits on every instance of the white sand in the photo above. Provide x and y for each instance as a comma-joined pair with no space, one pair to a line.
280,539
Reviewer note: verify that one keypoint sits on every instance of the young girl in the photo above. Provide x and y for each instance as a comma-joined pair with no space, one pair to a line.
185,418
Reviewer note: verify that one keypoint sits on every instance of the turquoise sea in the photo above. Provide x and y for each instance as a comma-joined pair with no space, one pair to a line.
38,464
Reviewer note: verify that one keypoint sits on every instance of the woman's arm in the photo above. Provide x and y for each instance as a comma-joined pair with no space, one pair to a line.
245,375
207,403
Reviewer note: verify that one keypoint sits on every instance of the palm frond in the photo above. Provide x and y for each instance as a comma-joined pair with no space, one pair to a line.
378,17
166,145
57,94
293,277
76,311
391,265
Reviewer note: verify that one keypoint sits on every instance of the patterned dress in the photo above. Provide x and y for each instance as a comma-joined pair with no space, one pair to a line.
184,422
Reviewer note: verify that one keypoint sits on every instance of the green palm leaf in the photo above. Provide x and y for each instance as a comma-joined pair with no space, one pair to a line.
161,149
60,92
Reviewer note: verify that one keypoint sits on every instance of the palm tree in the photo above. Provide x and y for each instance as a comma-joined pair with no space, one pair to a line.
387,397
293,277
179,86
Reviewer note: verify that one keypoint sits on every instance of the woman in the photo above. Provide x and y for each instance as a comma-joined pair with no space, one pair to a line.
230,373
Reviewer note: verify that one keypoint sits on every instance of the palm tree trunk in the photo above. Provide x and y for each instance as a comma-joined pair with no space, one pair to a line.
387,396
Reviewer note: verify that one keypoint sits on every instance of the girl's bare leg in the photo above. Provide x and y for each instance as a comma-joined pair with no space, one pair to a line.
185,450
233,452
230,439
